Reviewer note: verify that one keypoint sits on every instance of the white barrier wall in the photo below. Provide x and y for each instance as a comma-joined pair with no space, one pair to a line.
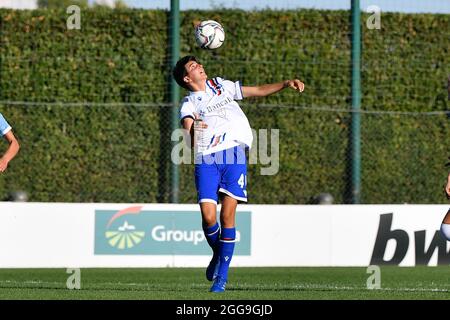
166,235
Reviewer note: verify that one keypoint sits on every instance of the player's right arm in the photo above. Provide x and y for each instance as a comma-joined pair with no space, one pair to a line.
191,125
188,125
187,116
191,120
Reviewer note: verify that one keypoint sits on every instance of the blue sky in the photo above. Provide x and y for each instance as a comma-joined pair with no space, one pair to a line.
432,6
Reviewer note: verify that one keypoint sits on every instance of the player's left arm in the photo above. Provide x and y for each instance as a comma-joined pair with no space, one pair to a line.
10,152
268,89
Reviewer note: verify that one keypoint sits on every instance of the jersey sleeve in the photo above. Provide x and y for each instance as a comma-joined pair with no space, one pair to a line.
187,110
4,126
234,87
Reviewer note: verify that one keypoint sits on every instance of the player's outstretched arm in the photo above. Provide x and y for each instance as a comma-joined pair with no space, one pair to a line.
268,89
10,152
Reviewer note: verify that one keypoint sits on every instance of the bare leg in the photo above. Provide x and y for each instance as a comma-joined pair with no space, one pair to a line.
208,210
447,218
228,212
445,226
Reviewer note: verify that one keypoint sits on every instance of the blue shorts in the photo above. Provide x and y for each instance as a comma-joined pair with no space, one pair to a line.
224,172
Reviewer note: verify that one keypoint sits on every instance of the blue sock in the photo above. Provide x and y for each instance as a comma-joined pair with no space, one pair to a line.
212,236
226,249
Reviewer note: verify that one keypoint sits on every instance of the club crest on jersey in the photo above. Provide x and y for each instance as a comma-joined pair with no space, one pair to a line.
215,86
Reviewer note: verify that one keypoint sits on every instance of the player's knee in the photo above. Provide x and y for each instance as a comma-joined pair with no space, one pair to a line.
445,230
209,220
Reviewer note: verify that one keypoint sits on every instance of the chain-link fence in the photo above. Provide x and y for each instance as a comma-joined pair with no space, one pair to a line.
90,107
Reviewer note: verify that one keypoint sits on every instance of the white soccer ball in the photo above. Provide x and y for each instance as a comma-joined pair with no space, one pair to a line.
209,34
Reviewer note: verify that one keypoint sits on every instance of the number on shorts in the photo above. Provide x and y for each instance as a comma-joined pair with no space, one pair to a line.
242,180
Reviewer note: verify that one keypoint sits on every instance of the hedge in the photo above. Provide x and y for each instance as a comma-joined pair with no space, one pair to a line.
114,153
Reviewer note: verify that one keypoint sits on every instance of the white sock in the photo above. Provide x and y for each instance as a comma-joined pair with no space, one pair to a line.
445,230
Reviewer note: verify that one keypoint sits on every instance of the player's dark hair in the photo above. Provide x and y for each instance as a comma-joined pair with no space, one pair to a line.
179,71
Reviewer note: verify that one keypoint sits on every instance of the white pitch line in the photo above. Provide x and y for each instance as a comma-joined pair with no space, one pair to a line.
237,286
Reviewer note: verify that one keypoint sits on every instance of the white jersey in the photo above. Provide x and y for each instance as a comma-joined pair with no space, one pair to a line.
217,107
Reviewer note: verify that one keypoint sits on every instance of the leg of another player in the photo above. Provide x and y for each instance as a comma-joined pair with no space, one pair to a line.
445,227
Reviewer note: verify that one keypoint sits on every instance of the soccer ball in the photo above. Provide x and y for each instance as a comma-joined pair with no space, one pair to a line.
209,34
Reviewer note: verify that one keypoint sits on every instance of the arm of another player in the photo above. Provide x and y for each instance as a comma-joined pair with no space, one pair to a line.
268,89
10,152
447,187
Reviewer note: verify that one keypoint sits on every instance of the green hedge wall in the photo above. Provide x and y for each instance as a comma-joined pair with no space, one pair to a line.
120,154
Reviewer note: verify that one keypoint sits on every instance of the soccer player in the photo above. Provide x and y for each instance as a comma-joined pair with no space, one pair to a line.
6,131
220,135
445,226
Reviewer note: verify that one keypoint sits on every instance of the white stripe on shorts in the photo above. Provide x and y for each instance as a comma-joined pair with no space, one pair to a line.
207,200
232,195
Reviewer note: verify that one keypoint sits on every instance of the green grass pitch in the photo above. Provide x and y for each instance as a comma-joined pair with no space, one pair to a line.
244,283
